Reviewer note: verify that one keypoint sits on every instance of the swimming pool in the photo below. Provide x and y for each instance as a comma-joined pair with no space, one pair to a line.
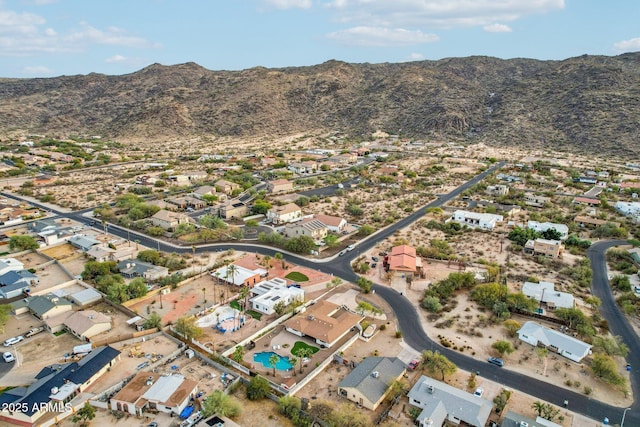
283,363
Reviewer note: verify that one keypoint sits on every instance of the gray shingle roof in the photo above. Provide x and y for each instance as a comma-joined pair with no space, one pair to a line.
432,394
374,387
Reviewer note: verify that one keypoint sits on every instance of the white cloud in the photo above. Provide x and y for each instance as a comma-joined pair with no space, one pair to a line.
381,37
630,45
24,34
289,4
497,28
116,58
414,56
38,70
433,14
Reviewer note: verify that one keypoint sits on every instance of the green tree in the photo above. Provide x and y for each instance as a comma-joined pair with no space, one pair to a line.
118,293
538,407
551,234
289,406
258,387
487,294
150,255
84,415
261,207
434,362
520,301
238,354
621,283
521,235
576,319
431,304
502,347
365,230
612,346
222,404
364,307
186,326
331,241
273,361
137,288
604,367
153,321
304,353
364,284
22,243
512,327
280,258
300,245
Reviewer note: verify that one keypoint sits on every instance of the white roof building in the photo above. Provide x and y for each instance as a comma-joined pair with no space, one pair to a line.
10,264
269,293
241,276
477,220
629,209
545,292
541,227
535,334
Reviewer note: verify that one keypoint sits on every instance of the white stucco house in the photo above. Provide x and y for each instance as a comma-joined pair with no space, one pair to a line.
477,220
541,227
269,293
535,334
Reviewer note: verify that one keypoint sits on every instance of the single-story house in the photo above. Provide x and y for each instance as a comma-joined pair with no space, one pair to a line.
56,385
403,258
545,292
324,321
155,392
10,264
476,220
537,335
369,383
137,268
513,419
84,324
268,293
239,276
441,402
42,306
586,201
85,297
16,283
541,227
84,243
589,221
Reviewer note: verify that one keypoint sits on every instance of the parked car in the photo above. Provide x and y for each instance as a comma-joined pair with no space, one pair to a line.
375,259
342,253
13,340
374,265
496,361
34,331
479,391
350,248
413,364
8,357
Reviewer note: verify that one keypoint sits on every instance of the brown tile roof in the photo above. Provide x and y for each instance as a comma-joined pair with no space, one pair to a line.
329,220
402,258
324,321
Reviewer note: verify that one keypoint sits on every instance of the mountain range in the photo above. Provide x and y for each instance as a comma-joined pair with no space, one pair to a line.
582,104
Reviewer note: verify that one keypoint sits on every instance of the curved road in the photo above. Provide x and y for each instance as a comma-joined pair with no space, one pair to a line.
409,320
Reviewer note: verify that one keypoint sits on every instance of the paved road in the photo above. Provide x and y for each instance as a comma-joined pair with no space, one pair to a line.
408,318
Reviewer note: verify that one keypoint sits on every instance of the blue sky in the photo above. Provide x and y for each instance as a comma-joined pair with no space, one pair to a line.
43,38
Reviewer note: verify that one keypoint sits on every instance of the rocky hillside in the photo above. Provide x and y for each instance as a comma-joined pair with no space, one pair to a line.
589,103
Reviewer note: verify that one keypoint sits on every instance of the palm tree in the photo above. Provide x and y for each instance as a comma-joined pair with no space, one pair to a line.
273,360
267,261
244,296
231,271
304,353
538,407
293,360
280,257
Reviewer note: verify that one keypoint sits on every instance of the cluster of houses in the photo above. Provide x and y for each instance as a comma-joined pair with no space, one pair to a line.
14,279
